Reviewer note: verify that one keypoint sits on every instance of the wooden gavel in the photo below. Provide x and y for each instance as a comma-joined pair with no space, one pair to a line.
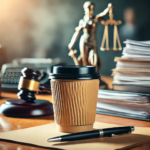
29,85
28,106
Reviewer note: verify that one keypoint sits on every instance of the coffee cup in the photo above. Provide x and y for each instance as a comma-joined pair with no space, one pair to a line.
74,96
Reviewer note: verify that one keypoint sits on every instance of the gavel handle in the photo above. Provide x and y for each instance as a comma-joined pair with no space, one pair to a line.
44,88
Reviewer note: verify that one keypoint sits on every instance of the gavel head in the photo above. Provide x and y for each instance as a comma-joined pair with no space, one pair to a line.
28,84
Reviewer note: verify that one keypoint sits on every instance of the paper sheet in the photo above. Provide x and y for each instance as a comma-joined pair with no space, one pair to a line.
39,135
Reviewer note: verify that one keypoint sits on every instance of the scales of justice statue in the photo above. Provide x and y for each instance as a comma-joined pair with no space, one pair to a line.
88,43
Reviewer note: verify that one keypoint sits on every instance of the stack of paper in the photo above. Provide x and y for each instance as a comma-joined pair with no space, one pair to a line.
132,72
124,104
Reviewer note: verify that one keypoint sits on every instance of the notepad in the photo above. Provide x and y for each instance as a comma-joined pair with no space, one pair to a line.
38,136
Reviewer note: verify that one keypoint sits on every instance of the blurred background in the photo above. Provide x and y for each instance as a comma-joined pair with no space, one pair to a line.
44,28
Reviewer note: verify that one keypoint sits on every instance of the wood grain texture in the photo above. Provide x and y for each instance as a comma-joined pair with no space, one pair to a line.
74,102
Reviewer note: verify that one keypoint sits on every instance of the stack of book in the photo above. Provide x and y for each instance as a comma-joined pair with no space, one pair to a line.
132,72
124,104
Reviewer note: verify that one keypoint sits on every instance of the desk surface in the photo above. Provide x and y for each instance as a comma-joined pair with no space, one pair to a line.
8,123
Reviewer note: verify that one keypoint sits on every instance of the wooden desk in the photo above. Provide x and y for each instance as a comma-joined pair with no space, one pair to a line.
8,123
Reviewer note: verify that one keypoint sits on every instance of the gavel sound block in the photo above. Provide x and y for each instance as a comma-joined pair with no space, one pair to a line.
28,106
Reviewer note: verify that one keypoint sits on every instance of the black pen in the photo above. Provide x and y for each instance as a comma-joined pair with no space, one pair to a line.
108,132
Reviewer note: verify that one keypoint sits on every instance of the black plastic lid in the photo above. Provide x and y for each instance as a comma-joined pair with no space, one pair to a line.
74,72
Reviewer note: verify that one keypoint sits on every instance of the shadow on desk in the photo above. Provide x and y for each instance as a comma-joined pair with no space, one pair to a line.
2,97
124,139
49,117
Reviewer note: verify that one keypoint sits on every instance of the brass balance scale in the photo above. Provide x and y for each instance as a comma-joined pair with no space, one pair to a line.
93,58
116,39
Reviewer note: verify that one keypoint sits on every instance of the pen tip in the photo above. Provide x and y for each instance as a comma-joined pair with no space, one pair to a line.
132,128
54,139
